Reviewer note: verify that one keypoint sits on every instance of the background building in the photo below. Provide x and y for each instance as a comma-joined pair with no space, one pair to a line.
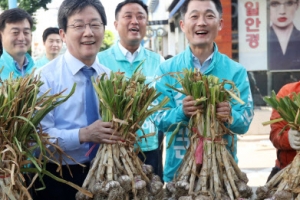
245,38
48,18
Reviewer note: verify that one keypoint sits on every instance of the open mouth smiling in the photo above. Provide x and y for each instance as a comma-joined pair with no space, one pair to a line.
136,30
88,43
201,32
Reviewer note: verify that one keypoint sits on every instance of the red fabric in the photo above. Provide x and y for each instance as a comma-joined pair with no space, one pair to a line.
285,154
200,149
90,151
199,152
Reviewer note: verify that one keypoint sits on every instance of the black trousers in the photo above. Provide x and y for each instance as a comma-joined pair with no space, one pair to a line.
59,191
274,171
154,157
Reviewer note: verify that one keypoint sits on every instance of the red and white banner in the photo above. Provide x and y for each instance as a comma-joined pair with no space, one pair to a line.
253,34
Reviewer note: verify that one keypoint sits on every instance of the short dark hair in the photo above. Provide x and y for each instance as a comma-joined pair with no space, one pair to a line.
49,31
168,57
70,7
184,7
120,6
14,15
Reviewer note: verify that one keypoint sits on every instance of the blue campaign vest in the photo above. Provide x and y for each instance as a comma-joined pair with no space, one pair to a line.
113,59
8,63
41,62
222,67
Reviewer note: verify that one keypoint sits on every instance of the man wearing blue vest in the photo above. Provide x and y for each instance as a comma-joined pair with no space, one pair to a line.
15,36
200,21
131,18
53,45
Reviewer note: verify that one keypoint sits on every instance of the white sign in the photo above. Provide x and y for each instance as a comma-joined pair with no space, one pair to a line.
253,34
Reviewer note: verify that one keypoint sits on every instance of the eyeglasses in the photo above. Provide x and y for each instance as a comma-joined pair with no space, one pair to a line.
288,4
80,26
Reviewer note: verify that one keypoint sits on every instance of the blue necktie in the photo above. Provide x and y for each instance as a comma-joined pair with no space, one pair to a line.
90,104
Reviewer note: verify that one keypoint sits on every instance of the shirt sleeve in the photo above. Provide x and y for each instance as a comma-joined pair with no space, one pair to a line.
280,141
166,120
242,114
67,138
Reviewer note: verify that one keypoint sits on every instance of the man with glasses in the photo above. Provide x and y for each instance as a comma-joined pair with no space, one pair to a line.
15,36
284,37
75,124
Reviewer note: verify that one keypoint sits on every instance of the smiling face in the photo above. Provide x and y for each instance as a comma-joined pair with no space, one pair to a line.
201,24
16,38
84,44
131,25
282,12
53,45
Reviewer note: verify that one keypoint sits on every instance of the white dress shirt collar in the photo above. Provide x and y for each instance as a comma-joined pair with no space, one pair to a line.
129,56
204,65
75,65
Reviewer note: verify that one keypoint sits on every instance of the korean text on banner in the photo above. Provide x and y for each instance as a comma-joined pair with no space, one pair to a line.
253,34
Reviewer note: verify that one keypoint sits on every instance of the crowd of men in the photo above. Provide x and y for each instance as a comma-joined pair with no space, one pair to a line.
77,124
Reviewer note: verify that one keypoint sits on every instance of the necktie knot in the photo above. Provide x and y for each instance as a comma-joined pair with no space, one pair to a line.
88,72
